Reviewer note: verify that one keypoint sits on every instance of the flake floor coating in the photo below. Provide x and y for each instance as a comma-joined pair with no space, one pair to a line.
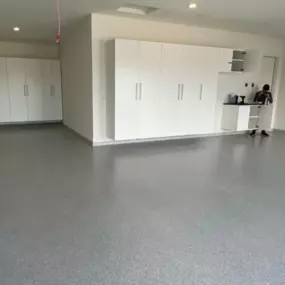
200,211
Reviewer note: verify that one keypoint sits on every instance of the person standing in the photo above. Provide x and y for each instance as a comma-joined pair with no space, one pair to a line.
264,98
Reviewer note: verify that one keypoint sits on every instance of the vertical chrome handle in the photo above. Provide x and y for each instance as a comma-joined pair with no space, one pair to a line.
140,91
136,91
201,91
51,90
25,90
182,91
178,92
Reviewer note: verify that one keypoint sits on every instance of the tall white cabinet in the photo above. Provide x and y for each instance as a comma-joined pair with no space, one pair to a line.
137,70
165,90
17,89
4,92
30,90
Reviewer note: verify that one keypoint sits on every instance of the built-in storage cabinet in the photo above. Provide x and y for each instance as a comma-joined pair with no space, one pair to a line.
164,90
30,90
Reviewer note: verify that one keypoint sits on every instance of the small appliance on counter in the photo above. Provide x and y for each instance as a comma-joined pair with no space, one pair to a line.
242,100
233,99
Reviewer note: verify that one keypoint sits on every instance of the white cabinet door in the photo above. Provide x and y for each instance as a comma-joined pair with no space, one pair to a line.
16,80
209,69
190,99
226,58
149,89
56,90
170,90
5,115
52,97
126,89
35,90
47,91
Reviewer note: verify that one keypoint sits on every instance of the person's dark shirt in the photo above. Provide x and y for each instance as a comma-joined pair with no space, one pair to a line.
263,97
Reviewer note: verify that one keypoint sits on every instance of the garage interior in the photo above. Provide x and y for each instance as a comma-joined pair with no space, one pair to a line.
126,154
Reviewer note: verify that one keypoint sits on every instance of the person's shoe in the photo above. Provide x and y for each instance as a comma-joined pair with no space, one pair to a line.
265,134
253,133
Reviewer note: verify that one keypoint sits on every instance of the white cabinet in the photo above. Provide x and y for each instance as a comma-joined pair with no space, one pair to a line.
171,85
199,89
149,62
137,73
56,90
164,90
240,117
126,89
52,97
34,90
190,99
209,69
5,114
17,89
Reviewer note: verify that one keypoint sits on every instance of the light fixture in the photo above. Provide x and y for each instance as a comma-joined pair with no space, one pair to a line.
16,29
136,9
192,5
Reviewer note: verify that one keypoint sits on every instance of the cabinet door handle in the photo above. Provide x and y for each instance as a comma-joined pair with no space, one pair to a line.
51,90
140,91
136,91
25,90
182,91
201,91
178,97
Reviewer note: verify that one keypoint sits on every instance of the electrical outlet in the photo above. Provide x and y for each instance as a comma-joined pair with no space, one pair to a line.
246,84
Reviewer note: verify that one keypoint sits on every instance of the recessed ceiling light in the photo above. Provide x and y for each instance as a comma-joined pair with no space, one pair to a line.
192,5
136,9
16,29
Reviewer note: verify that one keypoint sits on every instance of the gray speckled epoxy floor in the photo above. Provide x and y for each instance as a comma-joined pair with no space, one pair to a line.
208,211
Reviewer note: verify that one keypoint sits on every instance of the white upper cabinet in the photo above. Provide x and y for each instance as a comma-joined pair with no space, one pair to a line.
17,89
225,58
5,115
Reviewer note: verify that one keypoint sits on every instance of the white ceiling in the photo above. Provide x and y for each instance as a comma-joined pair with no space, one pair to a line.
37,18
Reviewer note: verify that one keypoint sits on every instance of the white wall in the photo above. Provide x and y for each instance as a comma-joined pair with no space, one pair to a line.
106,27
29,50
76,64
280,112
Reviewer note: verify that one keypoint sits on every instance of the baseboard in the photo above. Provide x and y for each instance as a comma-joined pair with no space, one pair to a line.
86,140
112,142
30,123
